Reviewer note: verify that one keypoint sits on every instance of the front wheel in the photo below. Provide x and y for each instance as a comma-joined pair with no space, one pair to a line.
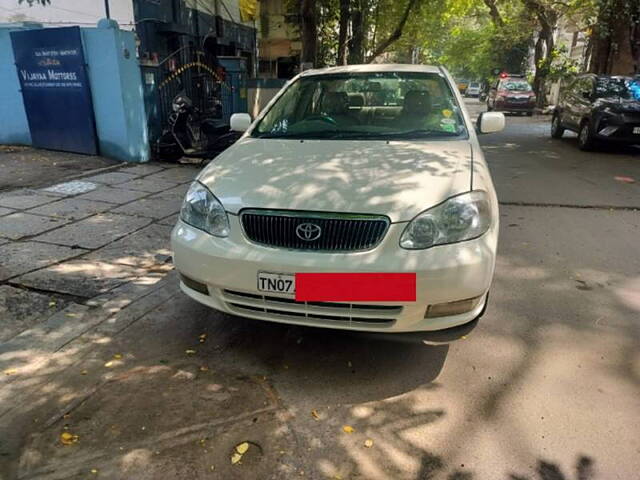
585,137
557,130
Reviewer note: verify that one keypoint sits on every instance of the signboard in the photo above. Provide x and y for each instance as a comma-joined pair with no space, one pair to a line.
55,89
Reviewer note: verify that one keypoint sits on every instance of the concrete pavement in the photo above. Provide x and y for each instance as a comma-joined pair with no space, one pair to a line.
545,387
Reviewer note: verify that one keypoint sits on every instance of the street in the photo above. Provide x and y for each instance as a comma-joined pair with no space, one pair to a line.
150,384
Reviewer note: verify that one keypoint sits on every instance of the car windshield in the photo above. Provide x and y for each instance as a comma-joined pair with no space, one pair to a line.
519,85
381,105
613,88
474,85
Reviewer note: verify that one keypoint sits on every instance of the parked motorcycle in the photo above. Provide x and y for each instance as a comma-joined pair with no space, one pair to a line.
192,136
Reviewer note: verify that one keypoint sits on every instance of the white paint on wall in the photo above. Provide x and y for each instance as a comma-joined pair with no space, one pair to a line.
65,13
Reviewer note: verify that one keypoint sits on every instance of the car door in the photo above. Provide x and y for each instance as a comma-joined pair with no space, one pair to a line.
584,102
568,112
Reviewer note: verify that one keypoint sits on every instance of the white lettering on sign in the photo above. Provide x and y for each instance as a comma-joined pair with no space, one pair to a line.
69,76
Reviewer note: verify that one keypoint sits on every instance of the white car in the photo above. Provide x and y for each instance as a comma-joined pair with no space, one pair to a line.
358,199
473,90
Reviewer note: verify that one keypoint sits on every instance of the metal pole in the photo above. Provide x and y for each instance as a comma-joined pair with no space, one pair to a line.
106,8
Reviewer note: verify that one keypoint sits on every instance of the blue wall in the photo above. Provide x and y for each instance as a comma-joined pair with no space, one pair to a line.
14,127
116,90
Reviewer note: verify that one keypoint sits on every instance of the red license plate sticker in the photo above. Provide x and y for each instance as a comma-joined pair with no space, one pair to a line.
356,287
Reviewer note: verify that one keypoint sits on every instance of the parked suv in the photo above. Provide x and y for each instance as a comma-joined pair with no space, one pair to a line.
511,93
599,109
359,199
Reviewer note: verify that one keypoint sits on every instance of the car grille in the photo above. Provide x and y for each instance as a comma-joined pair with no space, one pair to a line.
322,312
337,232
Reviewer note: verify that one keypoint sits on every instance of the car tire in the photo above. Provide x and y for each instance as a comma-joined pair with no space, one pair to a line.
557,130
586,141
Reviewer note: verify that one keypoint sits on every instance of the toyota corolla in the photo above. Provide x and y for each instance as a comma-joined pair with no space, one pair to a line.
358,199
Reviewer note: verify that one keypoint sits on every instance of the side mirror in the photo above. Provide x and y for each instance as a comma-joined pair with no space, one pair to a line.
489,122
240,122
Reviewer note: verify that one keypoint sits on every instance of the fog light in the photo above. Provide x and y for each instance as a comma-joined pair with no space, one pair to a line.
194,285
452,308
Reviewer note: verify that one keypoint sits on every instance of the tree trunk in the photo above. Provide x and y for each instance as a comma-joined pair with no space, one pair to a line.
343,33
601,45
613,40
496,18
309,32
356,44
396,34
621,61
538,56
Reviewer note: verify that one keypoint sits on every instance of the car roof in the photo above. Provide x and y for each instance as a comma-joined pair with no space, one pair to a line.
373,68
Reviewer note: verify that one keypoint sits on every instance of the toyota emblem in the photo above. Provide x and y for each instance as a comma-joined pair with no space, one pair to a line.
308,232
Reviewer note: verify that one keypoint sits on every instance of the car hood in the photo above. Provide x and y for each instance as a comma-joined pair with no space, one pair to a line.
620,105
397,179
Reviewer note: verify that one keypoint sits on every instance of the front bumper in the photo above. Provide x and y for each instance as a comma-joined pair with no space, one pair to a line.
617,128
510,106
229,267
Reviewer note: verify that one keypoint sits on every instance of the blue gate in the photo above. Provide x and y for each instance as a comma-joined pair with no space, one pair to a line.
55,89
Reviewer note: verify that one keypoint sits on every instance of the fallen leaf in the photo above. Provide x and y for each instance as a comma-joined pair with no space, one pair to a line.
117,356
242,448
94,470
52,304
189,352
625,179
314,414
235,458
67,438
83,372
203,337
368,443
109,364
71,315
204,368
10,371
164,362
348,429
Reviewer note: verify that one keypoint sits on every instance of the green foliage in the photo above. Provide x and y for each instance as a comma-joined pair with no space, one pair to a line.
461,35
558,65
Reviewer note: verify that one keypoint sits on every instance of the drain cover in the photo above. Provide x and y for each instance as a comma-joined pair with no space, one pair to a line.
71,188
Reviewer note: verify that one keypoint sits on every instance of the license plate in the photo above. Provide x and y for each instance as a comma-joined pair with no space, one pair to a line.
636,130
277,282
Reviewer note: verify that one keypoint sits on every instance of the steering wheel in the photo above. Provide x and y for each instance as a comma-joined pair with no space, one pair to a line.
323,118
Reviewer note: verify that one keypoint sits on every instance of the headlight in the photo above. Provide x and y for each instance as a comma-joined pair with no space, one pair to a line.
202,210
459,218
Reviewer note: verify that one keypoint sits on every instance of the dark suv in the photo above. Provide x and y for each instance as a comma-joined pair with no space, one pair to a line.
599,109
511,93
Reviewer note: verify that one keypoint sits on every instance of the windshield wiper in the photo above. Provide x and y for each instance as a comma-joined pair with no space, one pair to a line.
337,134
422,132
299,135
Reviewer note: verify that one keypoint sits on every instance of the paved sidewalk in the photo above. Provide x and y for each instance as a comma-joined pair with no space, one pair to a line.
72,241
